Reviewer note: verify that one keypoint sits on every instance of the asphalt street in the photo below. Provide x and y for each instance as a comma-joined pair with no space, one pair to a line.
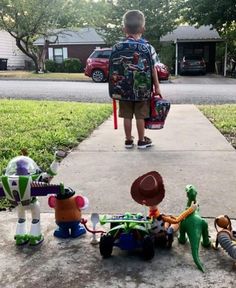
183,90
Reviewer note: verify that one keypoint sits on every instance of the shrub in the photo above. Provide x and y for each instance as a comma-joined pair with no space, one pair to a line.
167,56
73,65
60,67
51,66
70,65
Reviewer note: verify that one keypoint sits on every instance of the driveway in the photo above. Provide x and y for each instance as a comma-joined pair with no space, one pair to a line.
183,90
210,79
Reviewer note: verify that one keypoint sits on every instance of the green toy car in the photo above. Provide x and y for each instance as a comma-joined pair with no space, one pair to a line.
128,232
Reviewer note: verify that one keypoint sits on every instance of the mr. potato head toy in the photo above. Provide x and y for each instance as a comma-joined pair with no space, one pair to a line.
68,208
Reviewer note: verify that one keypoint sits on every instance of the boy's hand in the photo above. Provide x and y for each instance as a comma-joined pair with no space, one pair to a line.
157,91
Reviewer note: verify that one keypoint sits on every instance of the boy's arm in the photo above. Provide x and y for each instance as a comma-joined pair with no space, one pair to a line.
155,79
156,84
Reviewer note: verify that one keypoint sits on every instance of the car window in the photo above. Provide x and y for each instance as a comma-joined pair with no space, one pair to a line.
94,54
106,54
101,54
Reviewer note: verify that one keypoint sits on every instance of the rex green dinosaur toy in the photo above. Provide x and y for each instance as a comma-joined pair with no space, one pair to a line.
195,227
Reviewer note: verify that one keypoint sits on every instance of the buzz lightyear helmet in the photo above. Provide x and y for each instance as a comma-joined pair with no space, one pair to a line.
22,165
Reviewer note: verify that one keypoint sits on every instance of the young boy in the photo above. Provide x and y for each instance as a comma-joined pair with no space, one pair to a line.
133,27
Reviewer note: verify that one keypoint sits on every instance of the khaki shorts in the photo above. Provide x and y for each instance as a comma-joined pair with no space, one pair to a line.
140,109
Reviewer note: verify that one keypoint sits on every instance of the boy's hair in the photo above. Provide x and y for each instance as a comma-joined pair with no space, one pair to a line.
133,21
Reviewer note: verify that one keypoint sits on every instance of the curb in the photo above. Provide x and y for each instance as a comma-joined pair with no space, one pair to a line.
39,79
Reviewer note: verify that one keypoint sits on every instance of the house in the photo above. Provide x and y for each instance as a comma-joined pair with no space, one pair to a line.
72,44
189,40
8,50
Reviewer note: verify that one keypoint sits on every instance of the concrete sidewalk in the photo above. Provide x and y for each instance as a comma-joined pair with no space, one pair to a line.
78,264
189,150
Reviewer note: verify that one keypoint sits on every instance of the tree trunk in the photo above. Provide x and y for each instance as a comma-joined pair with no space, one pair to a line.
43,52
42,56
26,51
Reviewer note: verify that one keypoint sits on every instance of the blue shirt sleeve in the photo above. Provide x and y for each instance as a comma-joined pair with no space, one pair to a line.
154,55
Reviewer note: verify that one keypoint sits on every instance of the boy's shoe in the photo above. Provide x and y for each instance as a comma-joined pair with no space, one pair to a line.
129,143
142,144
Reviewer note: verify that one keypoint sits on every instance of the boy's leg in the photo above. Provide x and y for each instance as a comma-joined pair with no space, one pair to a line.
129,142
126,110
128,128
140,128
142,110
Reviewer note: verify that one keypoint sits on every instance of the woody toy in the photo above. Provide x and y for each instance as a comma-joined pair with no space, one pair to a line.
149,190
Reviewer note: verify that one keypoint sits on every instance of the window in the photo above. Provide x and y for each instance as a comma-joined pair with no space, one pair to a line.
101,54
106,54
58,55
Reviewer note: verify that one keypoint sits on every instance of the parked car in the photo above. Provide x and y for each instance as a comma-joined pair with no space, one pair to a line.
192,64
162,70
97,66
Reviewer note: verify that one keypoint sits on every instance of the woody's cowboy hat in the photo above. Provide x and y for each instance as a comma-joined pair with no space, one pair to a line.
148,189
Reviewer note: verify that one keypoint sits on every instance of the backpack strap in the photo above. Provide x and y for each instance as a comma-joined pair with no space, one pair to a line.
140,40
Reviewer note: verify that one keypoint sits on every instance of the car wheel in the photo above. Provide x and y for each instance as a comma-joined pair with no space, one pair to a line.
98,76
106,245
148,249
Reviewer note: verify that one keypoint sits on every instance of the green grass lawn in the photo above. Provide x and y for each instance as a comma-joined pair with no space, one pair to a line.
224,118
46,76
41,127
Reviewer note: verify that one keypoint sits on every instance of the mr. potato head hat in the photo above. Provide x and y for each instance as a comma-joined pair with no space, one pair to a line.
148,189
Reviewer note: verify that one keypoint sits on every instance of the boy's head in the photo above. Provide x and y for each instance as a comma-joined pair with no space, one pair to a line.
133,22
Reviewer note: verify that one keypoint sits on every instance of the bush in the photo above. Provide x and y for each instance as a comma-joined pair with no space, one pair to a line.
60,67
70,65
51,66
167,56
73,65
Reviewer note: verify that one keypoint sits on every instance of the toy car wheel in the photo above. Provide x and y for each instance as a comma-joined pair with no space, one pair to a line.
170,239
148,250
106,245
98,76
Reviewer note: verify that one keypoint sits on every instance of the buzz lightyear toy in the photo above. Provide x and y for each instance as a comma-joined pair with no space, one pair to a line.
21,182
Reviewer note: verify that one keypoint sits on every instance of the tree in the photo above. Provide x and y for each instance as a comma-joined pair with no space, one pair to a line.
221,15
84,13
27,20
160,15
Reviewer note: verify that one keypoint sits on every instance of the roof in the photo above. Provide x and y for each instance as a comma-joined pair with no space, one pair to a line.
73,37
188,33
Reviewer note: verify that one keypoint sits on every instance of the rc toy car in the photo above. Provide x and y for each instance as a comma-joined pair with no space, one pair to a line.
128,232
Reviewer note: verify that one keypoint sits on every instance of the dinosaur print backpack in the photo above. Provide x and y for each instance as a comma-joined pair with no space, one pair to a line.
130,70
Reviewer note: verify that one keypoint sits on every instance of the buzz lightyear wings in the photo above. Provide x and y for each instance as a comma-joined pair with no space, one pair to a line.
40,189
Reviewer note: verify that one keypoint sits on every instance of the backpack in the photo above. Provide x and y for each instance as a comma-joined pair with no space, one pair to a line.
130,71
159,109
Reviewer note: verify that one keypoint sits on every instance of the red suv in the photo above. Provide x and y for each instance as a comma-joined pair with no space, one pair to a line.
98,62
